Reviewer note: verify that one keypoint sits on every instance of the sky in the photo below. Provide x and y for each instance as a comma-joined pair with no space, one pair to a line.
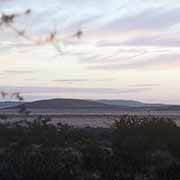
129,50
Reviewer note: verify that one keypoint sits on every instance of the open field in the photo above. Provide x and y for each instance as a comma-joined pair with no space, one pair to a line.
89,118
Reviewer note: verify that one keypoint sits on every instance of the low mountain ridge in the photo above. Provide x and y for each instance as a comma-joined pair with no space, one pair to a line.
64,103
128,103
8,104
73,104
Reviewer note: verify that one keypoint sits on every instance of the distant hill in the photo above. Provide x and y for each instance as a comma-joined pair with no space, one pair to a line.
79,104
8,104
169,108
129,103
124,103
64,103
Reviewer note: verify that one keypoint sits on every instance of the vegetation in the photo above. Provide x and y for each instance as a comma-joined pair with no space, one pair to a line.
134,148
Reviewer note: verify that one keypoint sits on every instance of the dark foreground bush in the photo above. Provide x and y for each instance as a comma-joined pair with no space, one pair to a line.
135,148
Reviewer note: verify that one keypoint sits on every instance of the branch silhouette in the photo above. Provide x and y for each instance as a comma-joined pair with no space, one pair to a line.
8,20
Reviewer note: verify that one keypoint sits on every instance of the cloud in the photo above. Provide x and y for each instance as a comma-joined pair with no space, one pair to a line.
74,90
71,80
163,61
132,38
18,72
149,19
127,55
83,22
80,80
163,40
145,85
150,27
106,55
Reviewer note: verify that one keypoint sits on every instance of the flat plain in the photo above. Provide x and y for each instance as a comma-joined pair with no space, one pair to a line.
87,117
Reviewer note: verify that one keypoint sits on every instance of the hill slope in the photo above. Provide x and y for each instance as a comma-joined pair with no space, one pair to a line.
131,103
124,103
64,103
74,104
8,104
